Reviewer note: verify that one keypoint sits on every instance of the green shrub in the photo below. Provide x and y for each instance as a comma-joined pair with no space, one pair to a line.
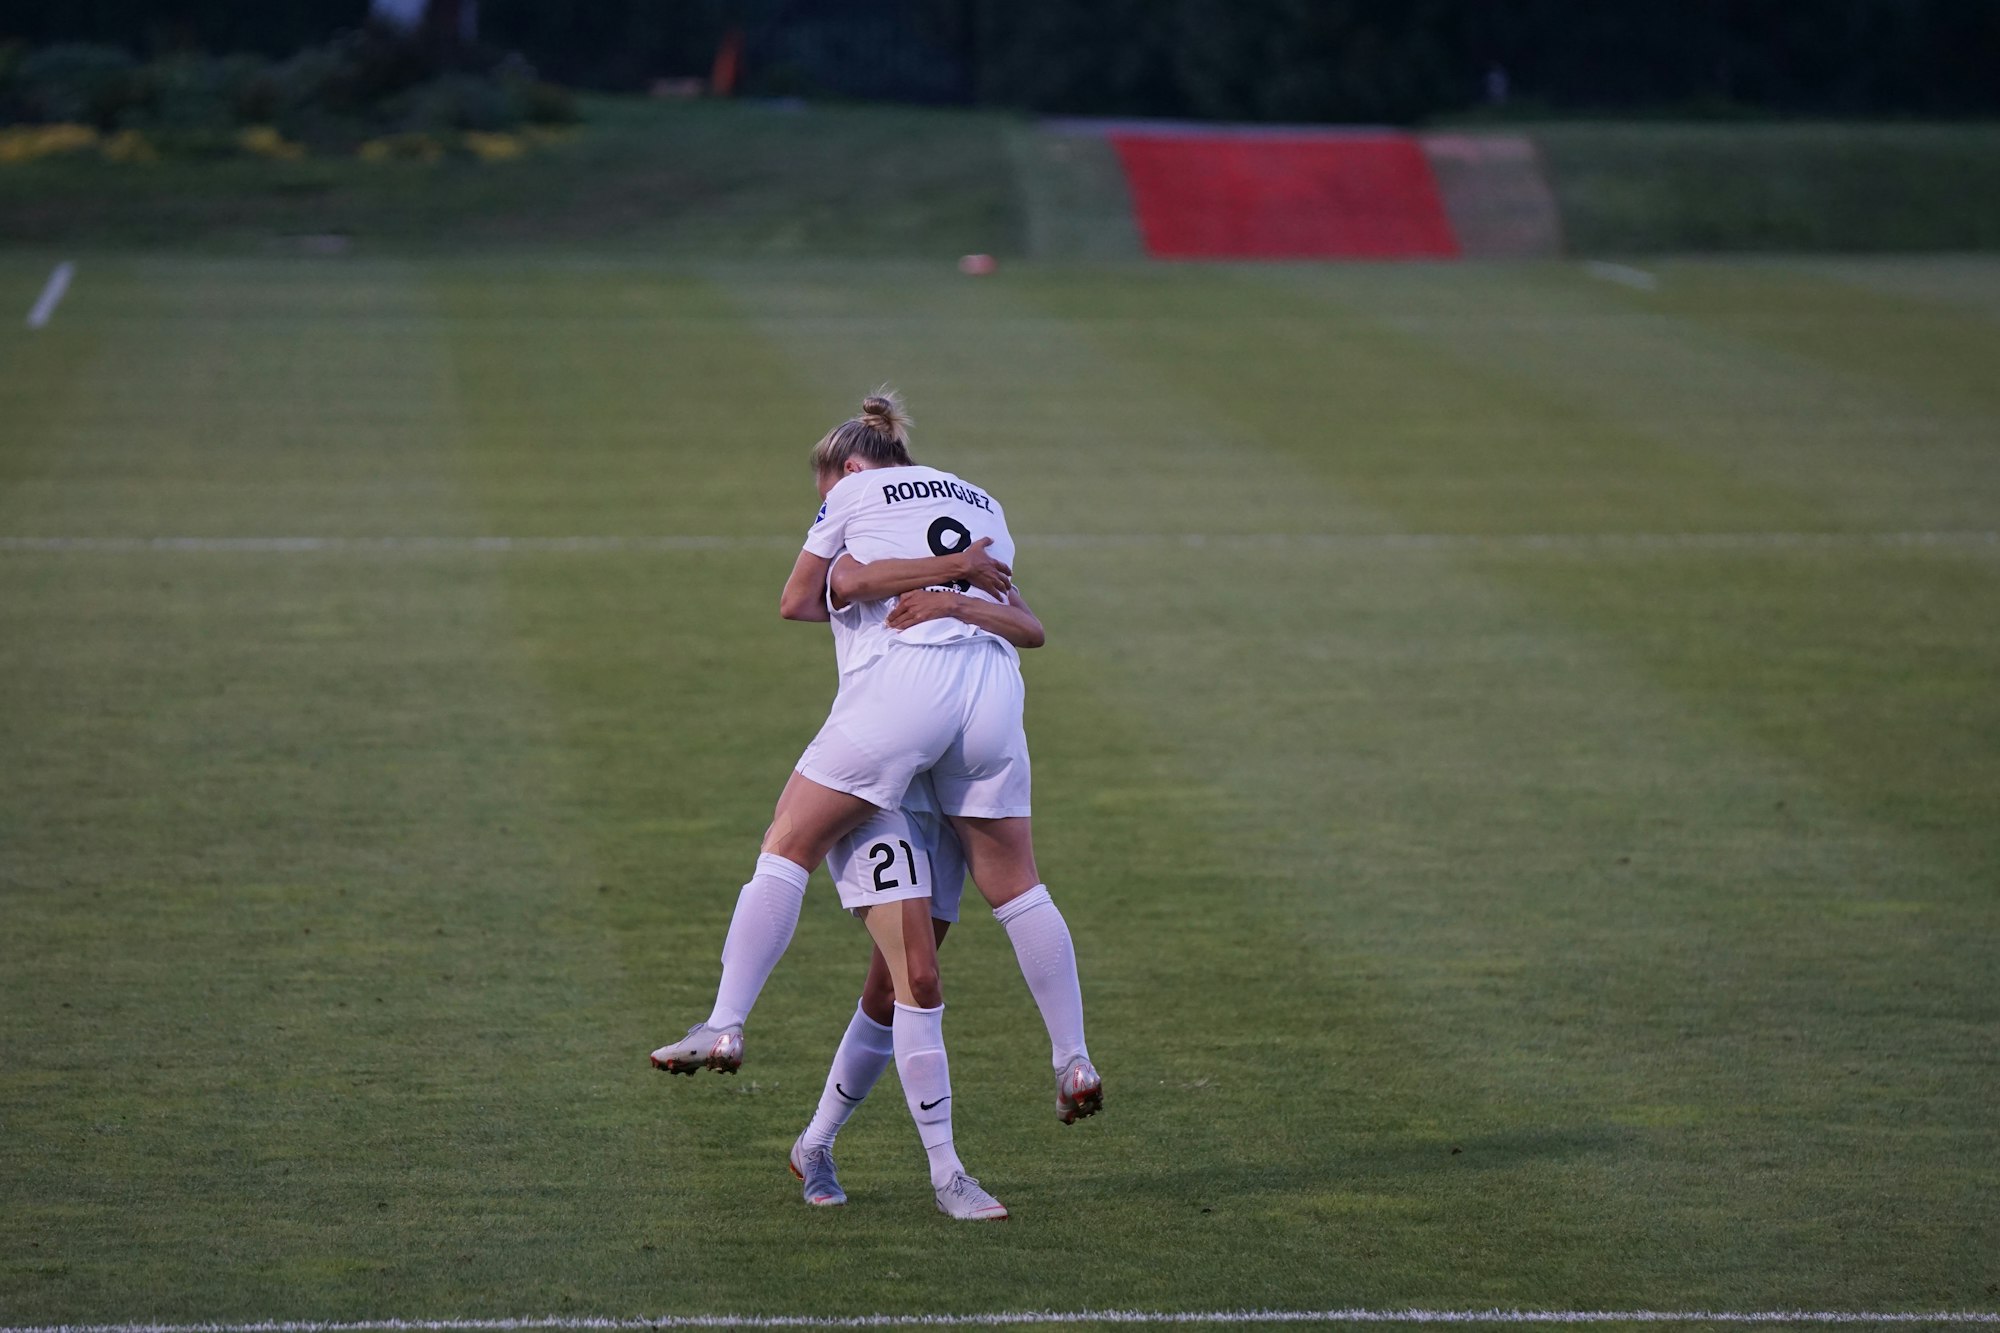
363,87
548,103
458,102
76,83
192,93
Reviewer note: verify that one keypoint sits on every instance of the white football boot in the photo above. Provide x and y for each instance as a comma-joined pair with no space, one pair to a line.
962,1198
704,1047
814,1166
1079,1091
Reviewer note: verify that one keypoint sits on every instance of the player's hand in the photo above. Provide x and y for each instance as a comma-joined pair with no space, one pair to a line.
914,608
983,572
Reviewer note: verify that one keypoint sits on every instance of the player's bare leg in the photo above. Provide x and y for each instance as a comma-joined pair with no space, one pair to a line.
808,820
1001,856
866,1049
904,933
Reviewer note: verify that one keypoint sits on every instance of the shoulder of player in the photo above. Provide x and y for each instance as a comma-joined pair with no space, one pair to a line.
845,490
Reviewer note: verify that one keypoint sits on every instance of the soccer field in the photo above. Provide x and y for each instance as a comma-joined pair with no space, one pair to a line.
1519,753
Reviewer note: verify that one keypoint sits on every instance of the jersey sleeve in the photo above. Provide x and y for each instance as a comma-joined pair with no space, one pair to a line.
828,533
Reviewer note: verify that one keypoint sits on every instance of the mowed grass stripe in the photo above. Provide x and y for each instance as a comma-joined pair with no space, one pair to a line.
1723,368
1967,282
1454,361
1912,640
289,915
1285,363
1077,1319
237,398
1856,689
1884,343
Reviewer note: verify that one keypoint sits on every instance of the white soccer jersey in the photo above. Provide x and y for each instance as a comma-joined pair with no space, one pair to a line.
860,631
908,513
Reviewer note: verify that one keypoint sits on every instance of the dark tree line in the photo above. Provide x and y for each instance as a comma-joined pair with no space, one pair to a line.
1370,60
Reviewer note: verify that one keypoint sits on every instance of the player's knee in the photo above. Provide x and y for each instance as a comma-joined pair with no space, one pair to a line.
878,994
925,989
789,844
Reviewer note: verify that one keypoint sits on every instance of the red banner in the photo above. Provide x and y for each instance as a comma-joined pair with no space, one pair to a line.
1285,196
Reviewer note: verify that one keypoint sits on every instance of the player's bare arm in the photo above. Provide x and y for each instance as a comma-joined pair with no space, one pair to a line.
804,597
1013,621
855,581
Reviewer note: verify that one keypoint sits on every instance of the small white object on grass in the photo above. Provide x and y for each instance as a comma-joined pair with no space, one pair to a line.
52,294
1622,274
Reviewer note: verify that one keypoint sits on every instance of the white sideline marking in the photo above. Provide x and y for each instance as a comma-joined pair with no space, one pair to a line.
52,294
1002,1319
1622,274
293,545
1074,541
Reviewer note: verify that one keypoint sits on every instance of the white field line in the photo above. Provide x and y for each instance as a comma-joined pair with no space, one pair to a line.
449,545
1308,541
52,294
1622,274
1799,1318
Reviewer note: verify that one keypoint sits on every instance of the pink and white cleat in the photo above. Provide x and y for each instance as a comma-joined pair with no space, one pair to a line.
1079,1091
704,1047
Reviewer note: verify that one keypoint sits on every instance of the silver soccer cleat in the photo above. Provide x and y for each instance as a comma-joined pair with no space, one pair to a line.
704,1047
1079,1091
962,1198
814,1166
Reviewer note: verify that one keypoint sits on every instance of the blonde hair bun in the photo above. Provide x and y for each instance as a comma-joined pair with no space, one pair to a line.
880,436
883,413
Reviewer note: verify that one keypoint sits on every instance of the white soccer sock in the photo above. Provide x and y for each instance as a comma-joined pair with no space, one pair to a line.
865,1051
767,912
926,1079
1048,962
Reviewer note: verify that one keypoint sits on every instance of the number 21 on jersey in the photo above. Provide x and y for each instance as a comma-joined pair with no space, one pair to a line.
883,856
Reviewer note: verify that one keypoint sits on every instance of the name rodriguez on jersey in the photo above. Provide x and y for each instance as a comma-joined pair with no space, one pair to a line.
931,490
927,490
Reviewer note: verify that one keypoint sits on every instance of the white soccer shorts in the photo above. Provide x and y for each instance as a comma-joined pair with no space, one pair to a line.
954,709
899,854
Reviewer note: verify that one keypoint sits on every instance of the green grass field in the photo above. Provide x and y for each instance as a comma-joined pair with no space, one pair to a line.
1600,923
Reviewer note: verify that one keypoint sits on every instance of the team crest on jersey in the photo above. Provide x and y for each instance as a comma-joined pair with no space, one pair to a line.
822,514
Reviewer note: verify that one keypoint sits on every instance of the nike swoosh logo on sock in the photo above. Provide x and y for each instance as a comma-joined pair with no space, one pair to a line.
845,1093
925,1106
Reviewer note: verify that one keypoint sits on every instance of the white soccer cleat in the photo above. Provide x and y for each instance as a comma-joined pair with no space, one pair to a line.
814,1167
962,1198
1079,1091
704,1047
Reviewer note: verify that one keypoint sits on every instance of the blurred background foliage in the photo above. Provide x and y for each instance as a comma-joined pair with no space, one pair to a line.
358,87
1272,60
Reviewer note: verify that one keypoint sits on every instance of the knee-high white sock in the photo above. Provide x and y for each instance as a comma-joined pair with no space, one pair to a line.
767,912
926,1079
1048,962
865,1051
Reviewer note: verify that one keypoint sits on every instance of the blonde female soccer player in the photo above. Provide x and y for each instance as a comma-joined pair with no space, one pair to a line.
924,691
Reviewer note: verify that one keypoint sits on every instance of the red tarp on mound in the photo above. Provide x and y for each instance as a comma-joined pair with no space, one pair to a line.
1292,196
